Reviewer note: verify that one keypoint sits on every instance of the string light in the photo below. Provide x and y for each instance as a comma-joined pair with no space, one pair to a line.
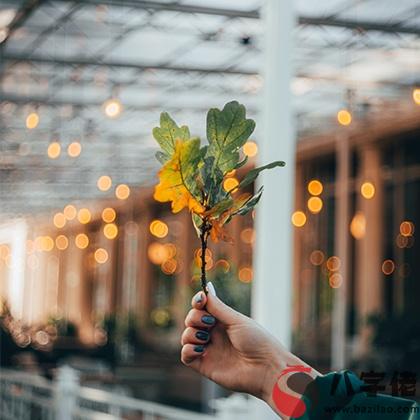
59,220
250,149
416,96
108,215
112,108
82,241
47,243
344,117
70,212
54,150
122,192
61,242
158,228
32,120
367,190
298,218
104,183
74,149
315,205
315,187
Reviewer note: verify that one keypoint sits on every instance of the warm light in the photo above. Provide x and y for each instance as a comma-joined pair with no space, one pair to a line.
110,231
407,228
335,280
101,256
170,250
70,212
122,192
416,95
316,257
74,149
32,120
315,187
230,184
245,274
61,242
248,236
358,225
82,241
250,149
160,317
388,267
333,263
223,264
104,183
344,117
298,218
59,220
315,205
367,190
54,150
47,243
157,253
108,215
158,228
112,108
231,173
84,216
169,266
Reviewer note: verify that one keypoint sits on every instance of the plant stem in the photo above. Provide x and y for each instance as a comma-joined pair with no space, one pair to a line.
203,238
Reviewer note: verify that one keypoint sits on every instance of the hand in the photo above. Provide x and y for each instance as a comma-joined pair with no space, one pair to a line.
231,349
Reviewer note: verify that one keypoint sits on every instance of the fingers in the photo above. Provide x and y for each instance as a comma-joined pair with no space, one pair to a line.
222,312
199,300
199,319
194,336
191,352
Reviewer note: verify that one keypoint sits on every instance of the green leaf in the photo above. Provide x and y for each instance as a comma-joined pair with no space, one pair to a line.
167,135
197,222
253,173
251,203
227,132
161,157
241,163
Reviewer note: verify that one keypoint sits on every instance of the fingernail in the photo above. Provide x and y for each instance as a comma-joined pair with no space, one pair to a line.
199,349
211,289
208,319
198,298
202,335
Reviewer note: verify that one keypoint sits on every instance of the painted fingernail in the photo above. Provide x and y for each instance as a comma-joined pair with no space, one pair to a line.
199,349
198,298
202,335
211,289
208,319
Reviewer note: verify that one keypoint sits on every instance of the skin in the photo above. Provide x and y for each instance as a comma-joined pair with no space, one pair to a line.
238,354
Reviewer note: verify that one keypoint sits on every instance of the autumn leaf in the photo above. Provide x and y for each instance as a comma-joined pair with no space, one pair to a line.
177,178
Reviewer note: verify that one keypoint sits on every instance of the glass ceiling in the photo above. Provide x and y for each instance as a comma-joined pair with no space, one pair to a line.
64,59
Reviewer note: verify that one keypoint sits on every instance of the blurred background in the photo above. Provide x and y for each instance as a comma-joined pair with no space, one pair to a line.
97,276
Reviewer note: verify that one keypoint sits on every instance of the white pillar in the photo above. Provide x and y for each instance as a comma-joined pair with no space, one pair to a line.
271,305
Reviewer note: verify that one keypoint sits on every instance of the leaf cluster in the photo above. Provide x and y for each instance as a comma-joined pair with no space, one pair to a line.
192,175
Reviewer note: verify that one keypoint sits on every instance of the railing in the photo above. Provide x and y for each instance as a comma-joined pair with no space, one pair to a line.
25,396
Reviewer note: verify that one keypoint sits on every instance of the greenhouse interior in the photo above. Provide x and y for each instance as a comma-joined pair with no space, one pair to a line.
97,275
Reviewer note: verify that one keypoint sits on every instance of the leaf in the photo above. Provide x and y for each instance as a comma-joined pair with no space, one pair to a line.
227,132
167,135
161,157
197,222
253,173
241,163
178,178
251,203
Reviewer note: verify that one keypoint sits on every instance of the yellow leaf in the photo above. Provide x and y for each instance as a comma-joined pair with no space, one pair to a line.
176,178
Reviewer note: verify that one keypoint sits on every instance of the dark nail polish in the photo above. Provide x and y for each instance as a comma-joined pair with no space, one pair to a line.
199,349
202,335
199,298
208,319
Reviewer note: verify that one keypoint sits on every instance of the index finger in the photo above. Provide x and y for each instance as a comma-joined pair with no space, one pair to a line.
199,300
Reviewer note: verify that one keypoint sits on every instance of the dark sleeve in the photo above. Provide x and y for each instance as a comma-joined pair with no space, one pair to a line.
342,396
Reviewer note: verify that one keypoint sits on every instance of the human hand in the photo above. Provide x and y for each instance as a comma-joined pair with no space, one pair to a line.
231,349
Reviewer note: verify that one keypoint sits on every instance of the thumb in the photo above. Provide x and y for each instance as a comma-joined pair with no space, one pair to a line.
222,312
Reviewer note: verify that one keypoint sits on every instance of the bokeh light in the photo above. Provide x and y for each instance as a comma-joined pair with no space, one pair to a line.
358,225
122,192
388,267
59,220
169,266
315,205
416,95
110,231
108,215
248,236
298,218
32,120
367,190
407,228
316,257
245,274
315,187
101,256
104,183
74,149
158,228
333,263
47,243
335,280
84,216
61,242
157,253
70,212
112,108
230,184
250,149
344,117
54,150
82,241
